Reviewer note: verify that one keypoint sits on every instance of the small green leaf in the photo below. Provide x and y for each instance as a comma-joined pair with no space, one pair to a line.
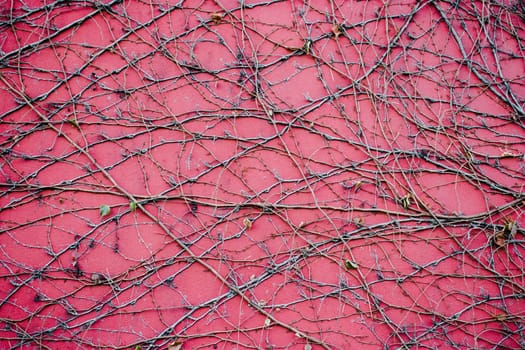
74,122
350,265
307,46
138,347
104,210
132,205
405,201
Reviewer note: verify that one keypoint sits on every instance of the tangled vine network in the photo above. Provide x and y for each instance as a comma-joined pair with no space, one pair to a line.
262,174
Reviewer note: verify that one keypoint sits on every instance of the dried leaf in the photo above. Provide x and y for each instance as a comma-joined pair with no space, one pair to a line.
216,17
500,317
508,154
510,227
359,221
307,347
98,278
176,345
104,210
247,223
499,239
337,29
